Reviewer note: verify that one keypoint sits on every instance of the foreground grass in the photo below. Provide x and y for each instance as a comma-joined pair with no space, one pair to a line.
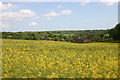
50,59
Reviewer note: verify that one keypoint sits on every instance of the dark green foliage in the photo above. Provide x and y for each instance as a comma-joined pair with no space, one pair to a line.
66,36
80,36
115,32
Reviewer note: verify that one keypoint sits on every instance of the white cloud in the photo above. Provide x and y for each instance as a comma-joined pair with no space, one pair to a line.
105,2
66,12
37,17
7,6
48,18
63,12
52,13
109,2
85,2
4,26
60,6
33,23
18,16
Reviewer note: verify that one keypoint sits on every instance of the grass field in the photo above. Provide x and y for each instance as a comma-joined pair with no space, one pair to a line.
50,59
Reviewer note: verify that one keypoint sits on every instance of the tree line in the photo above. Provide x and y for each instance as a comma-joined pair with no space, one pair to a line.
81,36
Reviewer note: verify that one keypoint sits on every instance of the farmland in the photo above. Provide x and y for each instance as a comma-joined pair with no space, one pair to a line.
54,59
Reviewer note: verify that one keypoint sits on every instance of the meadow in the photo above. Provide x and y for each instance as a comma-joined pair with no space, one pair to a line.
54,59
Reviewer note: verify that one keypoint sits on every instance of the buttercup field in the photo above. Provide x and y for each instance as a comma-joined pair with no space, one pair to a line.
49,59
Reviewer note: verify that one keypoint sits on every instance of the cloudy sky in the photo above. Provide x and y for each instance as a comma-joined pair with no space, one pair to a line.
47,16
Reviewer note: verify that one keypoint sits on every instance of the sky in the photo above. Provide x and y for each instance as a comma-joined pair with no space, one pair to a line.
52,16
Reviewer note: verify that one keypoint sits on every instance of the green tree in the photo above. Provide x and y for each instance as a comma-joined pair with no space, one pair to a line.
115,32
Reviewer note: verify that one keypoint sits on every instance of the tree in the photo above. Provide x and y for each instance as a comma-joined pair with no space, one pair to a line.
51,34
115,32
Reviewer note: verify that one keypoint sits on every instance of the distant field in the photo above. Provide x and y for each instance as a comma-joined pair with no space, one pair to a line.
50,59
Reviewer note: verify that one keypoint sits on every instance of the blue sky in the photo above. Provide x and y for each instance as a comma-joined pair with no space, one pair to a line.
49,16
